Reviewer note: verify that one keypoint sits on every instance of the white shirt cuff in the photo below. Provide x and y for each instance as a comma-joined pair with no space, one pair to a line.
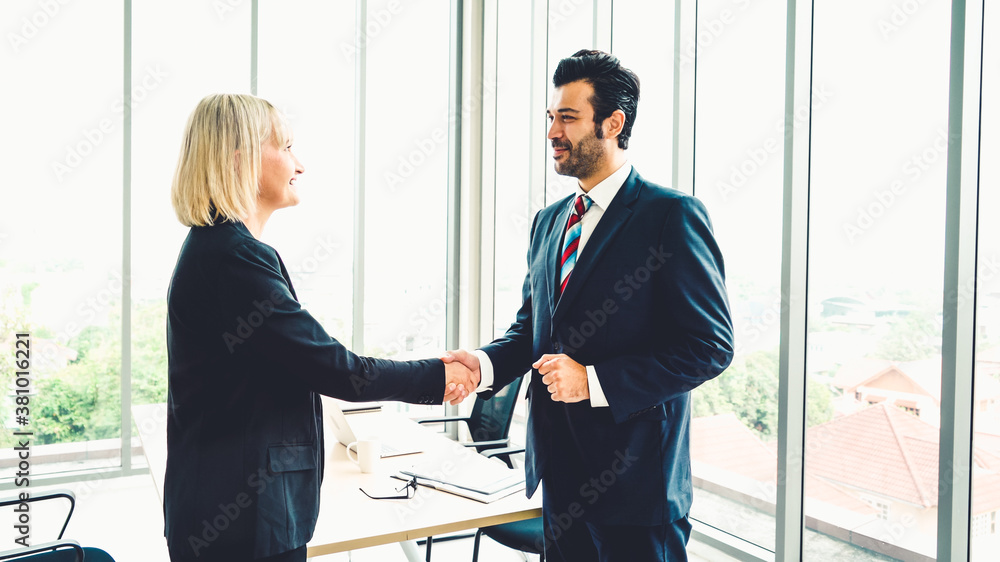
485,371
597,397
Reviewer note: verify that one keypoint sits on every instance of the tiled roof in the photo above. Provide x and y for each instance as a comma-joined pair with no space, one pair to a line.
991,355
881,449
924,373
985,492
724,442
987,451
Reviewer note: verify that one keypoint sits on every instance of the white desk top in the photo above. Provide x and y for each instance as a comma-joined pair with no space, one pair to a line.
349,520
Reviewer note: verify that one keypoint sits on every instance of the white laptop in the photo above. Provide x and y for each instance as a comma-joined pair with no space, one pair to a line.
342,429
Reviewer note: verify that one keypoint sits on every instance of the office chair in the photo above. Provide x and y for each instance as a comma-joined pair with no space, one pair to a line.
59,550
527,535
489,427
489,422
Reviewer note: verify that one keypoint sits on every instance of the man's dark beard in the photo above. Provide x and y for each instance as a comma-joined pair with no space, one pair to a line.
582,160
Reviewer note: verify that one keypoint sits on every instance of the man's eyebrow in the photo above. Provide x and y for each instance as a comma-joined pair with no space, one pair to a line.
563,110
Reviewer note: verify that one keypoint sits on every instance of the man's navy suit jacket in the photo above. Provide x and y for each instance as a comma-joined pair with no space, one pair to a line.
245,422
646,305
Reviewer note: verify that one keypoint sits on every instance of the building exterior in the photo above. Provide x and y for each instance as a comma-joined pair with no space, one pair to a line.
871,477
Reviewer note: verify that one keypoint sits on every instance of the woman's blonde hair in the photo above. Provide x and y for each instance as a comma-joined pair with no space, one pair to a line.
219,165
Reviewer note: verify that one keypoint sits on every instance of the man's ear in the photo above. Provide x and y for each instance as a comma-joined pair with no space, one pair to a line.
613,124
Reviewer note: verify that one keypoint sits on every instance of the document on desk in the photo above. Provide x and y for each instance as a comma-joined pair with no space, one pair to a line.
481,481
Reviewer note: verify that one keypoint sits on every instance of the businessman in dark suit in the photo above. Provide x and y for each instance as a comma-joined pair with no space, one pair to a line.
625,312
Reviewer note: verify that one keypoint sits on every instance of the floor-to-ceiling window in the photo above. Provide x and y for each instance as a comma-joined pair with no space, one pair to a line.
61,276
738,169
82,165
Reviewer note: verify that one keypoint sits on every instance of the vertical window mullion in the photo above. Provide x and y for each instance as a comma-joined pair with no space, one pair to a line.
454,205
360,123
794,274
483,250
254,5
959,310
539,79
603,25
126,369
685,86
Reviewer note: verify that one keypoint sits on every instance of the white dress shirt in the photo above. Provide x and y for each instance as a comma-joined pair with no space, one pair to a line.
601,194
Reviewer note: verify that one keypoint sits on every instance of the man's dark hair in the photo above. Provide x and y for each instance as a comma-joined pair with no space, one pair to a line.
615,87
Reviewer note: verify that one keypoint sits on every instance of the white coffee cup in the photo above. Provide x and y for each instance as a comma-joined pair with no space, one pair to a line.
368,452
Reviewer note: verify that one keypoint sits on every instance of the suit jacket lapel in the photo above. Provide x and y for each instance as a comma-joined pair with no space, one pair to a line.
615,217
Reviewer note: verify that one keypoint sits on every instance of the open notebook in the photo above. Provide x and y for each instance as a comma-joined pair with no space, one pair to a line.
481,481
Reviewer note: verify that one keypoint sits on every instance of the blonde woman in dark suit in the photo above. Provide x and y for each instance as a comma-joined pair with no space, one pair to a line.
246,362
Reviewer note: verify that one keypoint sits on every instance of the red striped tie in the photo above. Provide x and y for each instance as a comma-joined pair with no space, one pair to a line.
571,240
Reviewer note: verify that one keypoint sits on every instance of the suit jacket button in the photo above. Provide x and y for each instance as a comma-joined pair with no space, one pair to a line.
557,347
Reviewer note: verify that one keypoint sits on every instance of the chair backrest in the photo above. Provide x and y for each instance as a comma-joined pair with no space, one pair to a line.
490,419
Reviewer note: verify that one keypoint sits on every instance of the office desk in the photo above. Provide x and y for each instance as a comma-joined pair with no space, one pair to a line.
151,421
349,520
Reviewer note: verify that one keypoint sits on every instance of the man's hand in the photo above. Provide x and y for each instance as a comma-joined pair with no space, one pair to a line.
469,360
565,378
462,375
459,381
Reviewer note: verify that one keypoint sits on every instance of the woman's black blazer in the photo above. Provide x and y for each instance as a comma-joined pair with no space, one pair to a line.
245,422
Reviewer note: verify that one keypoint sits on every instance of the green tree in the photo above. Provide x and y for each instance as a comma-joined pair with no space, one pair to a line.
83,400
749,389
819,403
62,412
910,338
149,353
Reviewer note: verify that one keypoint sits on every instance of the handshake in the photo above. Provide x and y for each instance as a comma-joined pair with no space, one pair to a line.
565,379
461,375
